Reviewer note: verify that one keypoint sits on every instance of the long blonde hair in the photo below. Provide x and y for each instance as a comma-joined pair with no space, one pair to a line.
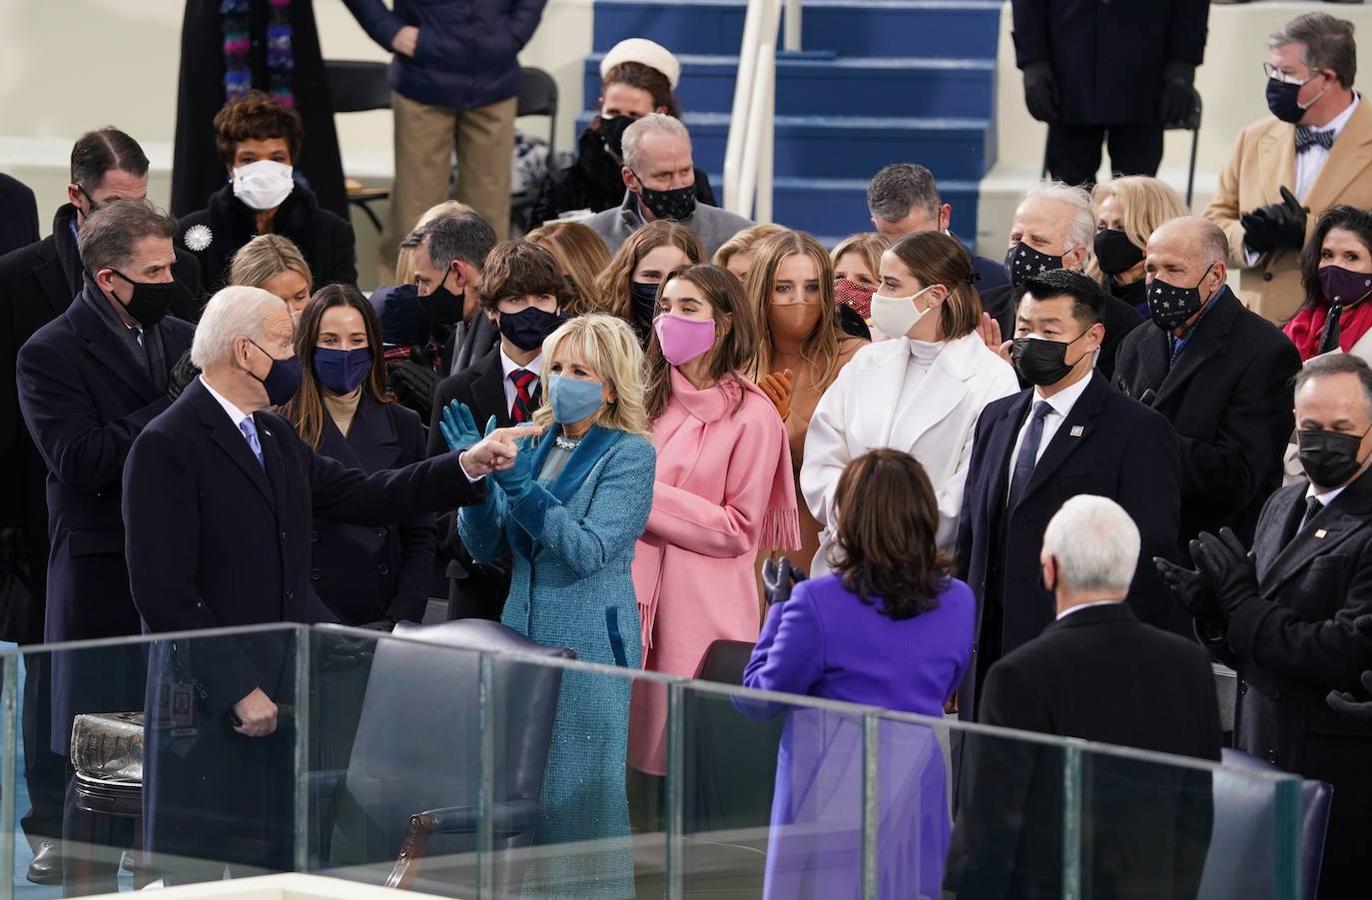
1145,203
582,256
608,345
746,241
404,257
869,245
821,348
265,257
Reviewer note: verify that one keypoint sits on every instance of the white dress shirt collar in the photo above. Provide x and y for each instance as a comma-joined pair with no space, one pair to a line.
235,414
1325,497
1063,401
508,365
1071,609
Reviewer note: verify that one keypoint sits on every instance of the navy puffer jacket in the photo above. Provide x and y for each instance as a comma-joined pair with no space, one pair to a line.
467,48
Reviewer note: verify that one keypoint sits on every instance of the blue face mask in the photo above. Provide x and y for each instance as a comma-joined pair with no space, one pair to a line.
573,399
342,371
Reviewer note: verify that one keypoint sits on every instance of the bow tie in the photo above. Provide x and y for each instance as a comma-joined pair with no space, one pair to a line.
1309,137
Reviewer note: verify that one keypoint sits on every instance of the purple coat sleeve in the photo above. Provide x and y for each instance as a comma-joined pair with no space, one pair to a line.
789,656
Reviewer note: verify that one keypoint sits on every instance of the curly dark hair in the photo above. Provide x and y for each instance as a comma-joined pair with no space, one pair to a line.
256,117
517,269
888,534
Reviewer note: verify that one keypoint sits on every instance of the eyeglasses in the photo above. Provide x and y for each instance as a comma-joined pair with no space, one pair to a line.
1276,74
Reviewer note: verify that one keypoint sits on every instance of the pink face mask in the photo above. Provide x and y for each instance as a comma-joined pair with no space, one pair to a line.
683,339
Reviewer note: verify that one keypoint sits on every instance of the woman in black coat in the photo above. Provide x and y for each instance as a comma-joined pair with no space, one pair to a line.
297,69
259,141
365,575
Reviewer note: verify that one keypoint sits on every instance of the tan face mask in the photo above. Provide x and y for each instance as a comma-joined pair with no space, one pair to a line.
794,321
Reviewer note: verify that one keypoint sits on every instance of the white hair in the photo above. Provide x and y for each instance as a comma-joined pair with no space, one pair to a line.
1095,543
234,312
653,123
1083,220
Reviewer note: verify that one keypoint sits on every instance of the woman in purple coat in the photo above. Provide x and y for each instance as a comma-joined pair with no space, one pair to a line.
888,628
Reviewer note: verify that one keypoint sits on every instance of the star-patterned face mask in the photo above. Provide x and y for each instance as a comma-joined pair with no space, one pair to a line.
1024,262
1170,306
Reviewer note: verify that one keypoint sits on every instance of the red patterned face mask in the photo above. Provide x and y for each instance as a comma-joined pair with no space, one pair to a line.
854,295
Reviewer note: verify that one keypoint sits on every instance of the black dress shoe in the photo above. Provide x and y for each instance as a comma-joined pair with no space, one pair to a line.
46,867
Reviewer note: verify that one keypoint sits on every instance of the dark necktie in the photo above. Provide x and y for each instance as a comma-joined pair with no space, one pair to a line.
1310,137
1312,509
519,410
1028,453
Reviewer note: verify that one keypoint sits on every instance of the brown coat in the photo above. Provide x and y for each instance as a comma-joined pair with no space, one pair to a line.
1264,161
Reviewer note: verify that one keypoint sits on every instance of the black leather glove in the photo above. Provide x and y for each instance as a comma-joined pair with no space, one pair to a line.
1041,92
1346,704
182,374
778,578
1276,225
1175,102
1189,589
1227,568
414,384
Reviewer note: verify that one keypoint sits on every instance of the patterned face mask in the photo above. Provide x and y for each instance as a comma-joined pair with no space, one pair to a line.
1024,262
1170,306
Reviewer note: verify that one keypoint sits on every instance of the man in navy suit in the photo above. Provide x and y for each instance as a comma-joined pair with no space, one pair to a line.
89,381
219,499
1069,434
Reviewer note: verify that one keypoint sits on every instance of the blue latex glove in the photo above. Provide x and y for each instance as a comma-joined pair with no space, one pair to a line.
458,427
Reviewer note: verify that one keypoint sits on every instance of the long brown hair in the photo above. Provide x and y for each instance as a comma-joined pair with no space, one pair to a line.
306,409
645,78
582,255
936,258
613,286
821,348
735,333
888,534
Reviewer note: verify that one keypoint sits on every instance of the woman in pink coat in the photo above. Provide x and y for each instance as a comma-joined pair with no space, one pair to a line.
723,490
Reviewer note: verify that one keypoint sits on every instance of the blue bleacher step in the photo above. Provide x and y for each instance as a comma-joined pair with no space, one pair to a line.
821,84
957,29
836,207
844,147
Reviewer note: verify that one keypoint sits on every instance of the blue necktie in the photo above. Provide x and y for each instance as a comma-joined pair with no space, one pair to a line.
250,432
1028,453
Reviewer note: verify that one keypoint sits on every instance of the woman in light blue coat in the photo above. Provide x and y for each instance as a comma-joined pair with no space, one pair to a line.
570,509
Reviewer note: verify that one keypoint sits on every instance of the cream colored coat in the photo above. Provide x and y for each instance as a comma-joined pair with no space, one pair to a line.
867,407
1264,161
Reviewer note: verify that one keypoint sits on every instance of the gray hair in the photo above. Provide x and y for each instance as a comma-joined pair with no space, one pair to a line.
653,123
1338,364
1083,226
1328,43
897,189
465,236
107,238
1095,543
234,312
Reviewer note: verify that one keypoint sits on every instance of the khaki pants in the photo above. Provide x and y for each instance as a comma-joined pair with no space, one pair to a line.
424,138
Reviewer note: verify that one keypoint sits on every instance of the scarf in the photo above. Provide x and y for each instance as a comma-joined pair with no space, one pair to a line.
1313,332
236,23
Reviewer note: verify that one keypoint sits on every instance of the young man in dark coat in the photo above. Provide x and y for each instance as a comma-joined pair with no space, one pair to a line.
1099,674
219,500
89,381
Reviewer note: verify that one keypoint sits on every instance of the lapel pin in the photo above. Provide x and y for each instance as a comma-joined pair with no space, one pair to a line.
1320,532
1078,430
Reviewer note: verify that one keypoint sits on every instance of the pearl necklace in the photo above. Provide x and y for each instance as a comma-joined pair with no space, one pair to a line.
565,443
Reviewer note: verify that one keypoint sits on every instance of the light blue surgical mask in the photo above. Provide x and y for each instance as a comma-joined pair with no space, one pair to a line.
572,398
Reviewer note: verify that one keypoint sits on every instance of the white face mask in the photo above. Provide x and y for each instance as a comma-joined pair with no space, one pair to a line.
895,316
264,184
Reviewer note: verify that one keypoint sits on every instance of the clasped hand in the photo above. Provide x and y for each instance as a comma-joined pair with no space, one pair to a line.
496,453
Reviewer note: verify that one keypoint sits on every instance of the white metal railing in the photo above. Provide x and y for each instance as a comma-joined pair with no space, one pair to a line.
752,121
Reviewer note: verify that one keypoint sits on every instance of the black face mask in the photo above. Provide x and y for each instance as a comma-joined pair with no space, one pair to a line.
1330,458
1042,362
1169,306
1115,253
644,298
612,130
676,204
1283,99
1024,262
151,302
443,306
527,328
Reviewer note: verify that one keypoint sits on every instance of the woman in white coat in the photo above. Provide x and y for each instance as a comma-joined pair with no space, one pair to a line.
920,393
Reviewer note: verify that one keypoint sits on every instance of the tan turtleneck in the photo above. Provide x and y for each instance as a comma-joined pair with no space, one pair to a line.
342,409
